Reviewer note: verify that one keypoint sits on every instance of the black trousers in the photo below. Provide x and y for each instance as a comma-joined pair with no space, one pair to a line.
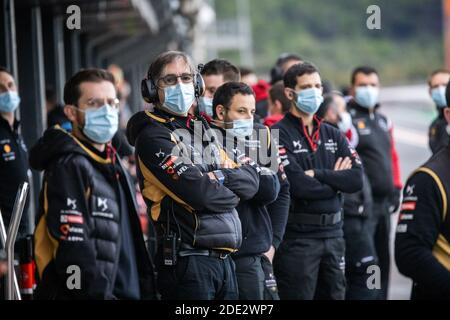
310,268
360,254
255,277
380,228
198,278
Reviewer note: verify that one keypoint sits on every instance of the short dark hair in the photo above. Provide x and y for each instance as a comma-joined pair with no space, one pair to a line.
435,72
276,73
225,93
4,69
286,57
362,69
276,93
324,106
245,71
222,67
297,70
72,87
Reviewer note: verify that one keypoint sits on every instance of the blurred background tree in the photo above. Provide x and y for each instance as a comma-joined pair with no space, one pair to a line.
333,35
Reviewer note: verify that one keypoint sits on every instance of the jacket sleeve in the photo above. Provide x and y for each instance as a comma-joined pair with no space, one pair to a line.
162,164
279,209
343,180
243,180
68,222
301,185
419,224
269,186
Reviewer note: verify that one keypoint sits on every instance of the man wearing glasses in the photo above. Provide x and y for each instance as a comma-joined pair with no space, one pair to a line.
191,188
88,241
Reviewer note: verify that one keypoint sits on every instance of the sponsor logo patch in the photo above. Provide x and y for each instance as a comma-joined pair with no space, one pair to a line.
410,189
101,203
404,216
298,147
71,219
408,206
402,228
331,145
72,203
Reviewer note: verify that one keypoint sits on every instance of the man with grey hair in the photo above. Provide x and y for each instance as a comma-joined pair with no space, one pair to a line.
191,201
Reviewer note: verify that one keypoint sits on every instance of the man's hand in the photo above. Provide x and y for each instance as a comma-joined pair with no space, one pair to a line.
310,173
343,164
269,254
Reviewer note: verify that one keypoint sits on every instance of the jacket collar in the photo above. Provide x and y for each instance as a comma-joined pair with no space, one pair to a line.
165,117
313,139
106,157
353,104
4,123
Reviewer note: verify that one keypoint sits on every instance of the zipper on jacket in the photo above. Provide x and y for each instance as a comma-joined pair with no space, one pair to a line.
197,224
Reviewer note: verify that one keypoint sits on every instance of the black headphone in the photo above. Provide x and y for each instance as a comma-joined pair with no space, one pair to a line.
149,90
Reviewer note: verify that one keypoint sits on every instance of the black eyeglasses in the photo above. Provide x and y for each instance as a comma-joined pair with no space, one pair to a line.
172,79
98,103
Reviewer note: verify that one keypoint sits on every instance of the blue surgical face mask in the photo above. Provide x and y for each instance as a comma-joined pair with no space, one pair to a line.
241,128
101,124
9,101
438,96
309,100
205,105
367,96
179,98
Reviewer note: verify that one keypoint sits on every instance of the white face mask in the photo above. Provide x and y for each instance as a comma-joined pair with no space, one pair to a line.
448,129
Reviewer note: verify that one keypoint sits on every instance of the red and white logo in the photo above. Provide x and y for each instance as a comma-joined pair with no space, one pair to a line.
408,206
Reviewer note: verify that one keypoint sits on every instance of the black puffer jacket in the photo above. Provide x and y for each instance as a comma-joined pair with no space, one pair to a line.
80,207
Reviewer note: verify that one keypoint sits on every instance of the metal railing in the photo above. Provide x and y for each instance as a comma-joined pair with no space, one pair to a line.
8,240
